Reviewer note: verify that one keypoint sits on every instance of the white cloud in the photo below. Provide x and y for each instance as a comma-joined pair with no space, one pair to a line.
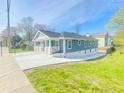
55,12
84,11
50,10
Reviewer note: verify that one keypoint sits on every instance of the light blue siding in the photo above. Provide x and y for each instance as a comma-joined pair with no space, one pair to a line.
61,45
76,47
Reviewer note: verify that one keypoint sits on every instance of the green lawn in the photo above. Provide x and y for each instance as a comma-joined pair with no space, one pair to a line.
101,76
19,50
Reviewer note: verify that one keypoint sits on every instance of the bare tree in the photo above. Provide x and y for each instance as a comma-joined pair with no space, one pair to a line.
43,27
13,30
26,27
40,27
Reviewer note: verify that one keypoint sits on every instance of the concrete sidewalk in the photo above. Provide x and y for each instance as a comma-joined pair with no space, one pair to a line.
12,79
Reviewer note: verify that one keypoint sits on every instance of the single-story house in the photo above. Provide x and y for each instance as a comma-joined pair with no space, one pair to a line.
66,42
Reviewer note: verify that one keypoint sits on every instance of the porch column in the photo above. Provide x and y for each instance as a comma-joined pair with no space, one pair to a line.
45,46
49,46
34,45
64,46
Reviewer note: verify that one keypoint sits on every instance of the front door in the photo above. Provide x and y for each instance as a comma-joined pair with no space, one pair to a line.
42,46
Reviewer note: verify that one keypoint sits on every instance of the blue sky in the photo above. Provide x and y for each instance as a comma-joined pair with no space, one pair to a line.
92,15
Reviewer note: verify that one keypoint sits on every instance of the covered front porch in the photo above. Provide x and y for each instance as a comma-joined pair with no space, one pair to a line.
47,46
49,42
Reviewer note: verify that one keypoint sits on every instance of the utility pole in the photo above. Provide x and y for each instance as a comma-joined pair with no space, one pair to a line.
77,28
8,23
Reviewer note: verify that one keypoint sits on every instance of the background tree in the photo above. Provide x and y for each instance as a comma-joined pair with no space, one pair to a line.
26,27
23,33
15,41
117,24
13,30
43,27
40,27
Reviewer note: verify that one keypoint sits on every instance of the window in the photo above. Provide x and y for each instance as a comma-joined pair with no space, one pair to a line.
90,50
53,43
88,43
57,43
95,44
85,44
79,42
69,44
37,43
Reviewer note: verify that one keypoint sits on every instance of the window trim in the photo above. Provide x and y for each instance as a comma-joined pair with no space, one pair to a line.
68,44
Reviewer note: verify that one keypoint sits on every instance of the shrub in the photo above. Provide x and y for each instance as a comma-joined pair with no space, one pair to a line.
113,49
24,46
121,52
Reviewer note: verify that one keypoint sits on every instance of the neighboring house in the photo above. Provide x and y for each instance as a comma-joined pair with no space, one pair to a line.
3,40
0,37
52,42
104,41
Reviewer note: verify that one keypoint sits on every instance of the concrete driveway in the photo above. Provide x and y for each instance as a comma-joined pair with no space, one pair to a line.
31,59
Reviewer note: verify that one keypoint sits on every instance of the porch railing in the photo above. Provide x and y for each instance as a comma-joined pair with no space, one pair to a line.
55,49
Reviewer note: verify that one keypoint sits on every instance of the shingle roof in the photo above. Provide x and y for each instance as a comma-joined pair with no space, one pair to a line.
75,35
71,35
67,35
50,33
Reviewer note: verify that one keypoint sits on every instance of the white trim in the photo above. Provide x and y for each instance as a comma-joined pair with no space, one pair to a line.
35,36
44,34
67,44
57,39
64,46
40,33
70,38
49,46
